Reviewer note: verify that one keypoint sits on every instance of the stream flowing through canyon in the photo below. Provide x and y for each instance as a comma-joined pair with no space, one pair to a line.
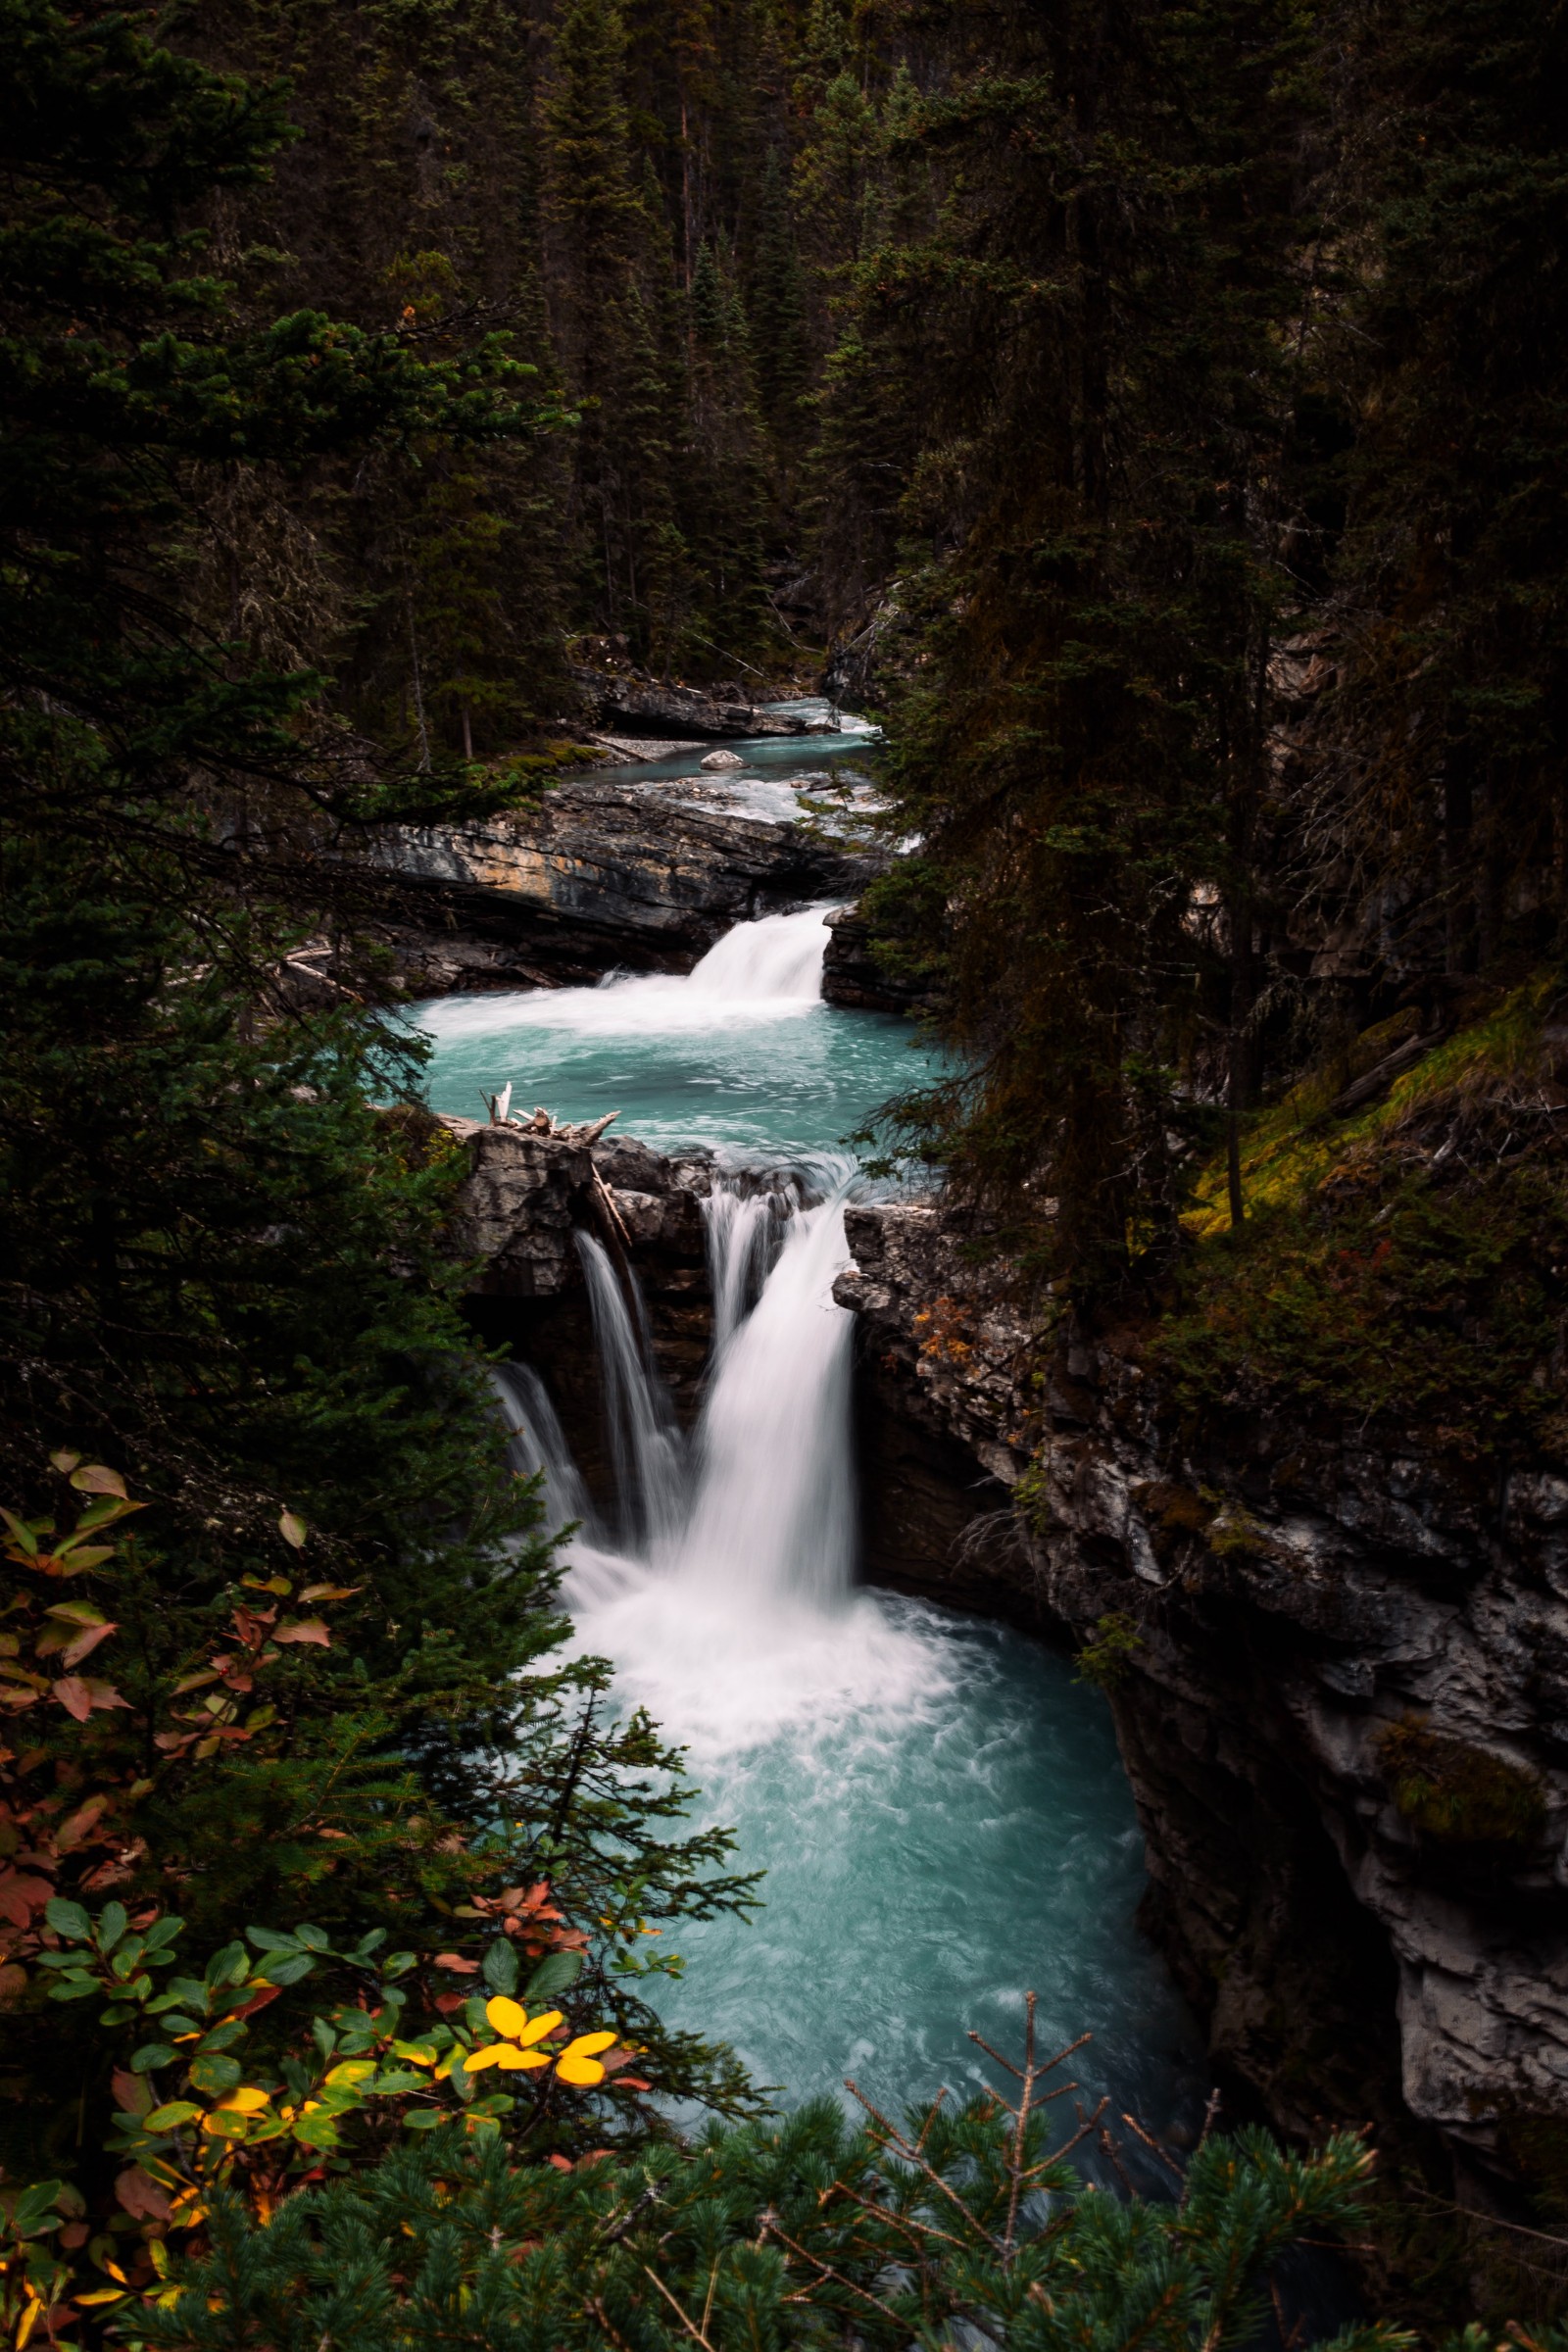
937,1802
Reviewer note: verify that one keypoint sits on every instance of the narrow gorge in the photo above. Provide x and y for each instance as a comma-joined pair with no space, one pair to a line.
793,1395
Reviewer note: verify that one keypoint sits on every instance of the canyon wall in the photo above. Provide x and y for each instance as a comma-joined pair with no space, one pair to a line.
599,878
1340,1683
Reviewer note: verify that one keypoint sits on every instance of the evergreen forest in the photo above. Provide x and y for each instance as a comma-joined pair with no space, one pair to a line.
1154,413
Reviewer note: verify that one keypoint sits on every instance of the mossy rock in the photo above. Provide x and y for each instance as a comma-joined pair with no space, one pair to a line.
1459,1793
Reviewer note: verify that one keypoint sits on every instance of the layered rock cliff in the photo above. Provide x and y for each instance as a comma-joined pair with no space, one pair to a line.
600,876
1339,1677
526,1198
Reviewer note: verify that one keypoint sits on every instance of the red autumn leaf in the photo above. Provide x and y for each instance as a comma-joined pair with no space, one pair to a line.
116,1867
20,1895
632,2082
132,2092
456,1963
80,1824
446,2002
86,1641
562,2164
304,1629
140,2195
258,2000
75,1697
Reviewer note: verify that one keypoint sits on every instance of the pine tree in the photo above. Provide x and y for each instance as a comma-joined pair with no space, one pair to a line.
223,1272
1101,312
723,494
776,306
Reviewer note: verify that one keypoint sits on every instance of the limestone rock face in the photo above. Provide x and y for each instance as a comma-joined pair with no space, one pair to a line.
851,975
1309,1604
638,707
600,876
526,1198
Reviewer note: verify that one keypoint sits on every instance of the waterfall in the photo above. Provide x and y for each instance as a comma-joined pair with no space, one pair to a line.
772,1515
536,1441
645,1439
777,958
764,1508
743,1236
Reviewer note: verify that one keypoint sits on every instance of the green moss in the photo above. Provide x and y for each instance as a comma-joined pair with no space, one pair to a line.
1108,1653
1462,1795
1381,1276
518,780
1031,1496
1234,1532
1174,1509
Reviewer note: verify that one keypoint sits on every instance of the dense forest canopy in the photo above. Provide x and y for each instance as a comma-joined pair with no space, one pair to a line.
1157,412
1161,409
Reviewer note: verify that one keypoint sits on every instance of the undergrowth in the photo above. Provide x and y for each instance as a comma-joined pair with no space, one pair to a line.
1405,1262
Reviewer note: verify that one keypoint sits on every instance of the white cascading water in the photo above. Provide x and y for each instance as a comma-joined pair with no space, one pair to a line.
729,1612
772,1519
936,1804
771,967
646,1447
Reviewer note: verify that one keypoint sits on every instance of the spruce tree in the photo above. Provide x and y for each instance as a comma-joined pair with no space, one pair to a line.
226,1273
777,305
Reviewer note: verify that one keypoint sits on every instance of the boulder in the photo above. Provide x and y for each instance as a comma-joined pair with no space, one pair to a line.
637,706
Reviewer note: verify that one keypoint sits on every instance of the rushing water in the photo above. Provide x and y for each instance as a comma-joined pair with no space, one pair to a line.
937,1804
742,1053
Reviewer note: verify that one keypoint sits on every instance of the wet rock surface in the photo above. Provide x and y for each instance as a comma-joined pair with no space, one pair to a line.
519,1213
600,876
851,975
640,707
1321,1623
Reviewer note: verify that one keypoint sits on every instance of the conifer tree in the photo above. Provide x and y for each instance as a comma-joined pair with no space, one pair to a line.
223,1271
776,306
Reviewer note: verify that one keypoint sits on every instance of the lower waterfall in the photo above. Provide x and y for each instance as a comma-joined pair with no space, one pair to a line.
938,1808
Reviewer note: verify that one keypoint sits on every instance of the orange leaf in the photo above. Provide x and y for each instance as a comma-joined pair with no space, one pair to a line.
20,1895
329,1593
456,1963
140,2195
258,2000
306,1629
81,1823
86,1642
75,1697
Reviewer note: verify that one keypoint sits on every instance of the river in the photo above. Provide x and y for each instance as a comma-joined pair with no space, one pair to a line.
937,1803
